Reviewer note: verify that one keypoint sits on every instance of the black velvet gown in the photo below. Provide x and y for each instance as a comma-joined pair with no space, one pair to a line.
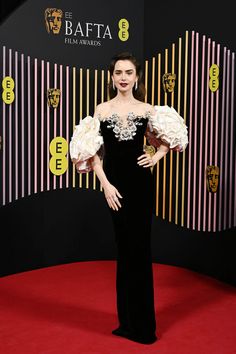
123,144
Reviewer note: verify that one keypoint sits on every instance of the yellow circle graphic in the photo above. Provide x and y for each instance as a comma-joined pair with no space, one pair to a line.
214,84
123,33
214,70
58,148
58,145
8,83
58,164
8,96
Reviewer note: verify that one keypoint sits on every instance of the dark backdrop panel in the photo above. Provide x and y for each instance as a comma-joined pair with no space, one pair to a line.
74,225
64,226
90,42
213,253
167,21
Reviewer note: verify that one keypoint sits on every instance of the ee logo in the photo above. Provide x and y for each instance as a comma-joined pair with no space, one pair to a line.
214,77
123,29
8,85
58,163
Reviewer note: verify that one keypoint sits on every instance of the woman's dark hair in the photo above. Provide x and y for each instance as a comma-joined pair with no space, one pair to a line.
139,94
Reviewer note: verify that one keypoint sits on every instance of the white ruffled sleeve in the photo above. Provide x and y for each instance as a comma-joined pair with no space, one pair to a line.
86,141
167,127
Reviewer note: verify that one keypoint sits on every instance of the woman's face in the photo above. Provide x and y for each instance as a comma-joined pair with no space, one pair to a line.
124,75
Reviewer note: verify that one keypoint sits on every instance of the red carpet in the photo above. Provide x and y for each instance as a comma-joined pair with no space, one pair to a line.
70,309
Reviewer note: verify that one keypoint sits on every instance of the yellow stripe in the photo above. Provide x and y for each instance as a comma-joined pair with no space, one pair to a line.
164,158
153,79
171,152
146,80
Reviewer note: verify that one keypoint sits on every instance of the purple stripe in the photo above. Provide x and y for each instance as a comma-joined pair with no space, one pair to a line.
4,135
67,121
216,141
195,130
222,139
190,130
35,124
29,128
226,167
16,126
211,139
22,128
232,180
61,132
10,134
48,130
42,125
206,134
201,135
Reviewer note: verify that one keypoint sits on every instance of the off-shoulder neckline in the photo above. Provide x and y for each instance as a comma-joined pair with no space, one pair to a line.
130,115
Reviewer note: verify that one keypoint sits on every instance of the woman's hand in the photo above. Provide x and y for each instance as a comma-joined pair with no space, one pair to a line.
111,195
146,160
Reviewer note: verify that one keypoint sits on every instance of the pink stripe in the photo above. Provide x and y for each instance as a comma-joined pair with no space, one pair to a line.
35,124
55,120
42,125
201,135
190,131
222,140
67,120
226,167
211,139
10,134
216,141
16,126
61,133
206,135
234,188
232,179
22,128
29,128
195,130
48,131
4,136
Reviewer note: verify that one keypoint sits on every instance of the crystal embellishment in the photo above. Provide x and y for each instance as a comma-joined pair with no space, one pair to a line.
127,131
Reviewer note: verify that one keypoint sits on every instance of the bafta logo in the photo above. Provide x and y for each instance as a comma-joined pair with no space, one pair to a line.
53,19
168,81
53,96
212,175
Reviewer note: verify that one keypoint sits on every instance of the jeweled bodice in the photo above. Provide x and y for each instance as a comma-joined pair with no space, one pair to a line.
125,130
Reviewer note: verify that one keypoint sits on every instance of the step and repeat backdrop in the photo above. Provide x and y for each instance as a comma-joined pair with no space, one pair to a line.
54,71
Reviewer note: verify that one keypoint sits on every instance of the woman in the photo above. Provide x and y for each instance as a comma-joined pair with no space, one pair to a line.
116,135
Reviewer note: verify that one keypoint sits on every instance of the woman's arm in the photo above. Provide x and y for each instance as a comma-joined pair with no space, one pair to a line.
111,193
146,160
97,167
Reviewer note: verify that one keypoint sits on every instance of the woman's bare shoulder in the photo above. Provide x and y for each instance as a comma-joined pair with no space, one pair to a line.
147,107
102,109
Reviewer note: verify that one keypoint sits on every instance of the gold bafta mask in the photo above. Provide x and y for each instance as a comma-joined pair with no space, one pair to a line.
168,81
212,174
53,96
53,19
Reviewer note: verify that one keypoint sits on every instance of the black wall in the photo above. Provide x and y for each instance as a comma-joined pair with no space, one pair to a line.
53,232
